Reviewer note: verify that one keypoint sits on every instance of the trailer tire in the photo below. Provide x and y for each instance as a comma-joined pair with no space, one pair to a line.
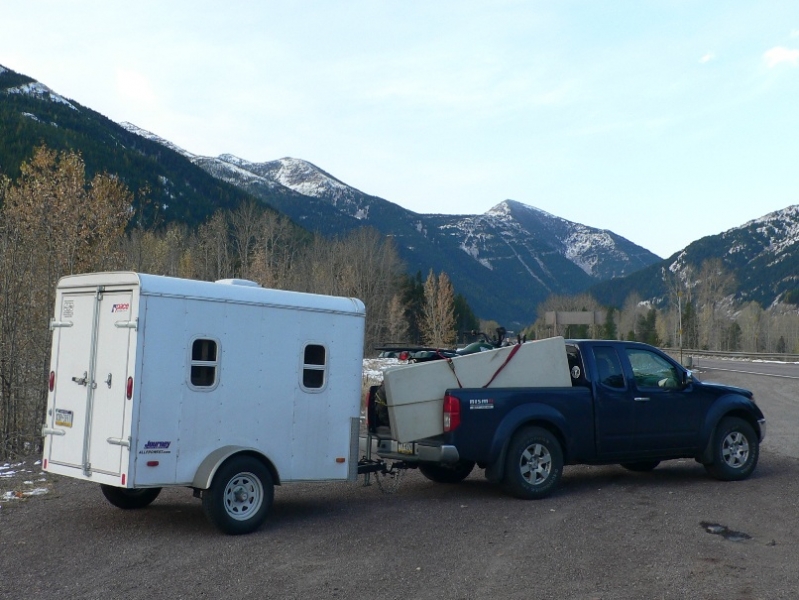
447,473
735,450
643,466
129,499
240,495
534,464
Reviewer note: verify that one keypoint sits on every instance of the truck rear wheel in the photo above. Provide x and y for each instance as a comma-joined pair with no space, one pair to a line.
240,495
444,473
534,464
735,450
127,498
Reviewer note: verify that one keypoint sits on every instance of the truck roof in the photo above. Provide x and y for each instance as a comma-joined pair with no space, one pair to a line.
229,290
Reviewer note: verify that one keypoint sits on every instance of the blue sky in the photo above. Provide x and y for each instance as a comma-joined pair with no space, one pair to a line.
664,121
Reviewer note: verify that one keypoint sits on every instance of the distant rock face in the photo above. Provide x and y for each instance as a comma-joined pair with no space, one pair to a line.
504,262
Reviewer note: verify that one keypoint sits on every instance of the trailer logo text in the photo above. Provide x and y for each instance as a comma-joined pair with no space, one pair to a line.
120,307
481,403
156,448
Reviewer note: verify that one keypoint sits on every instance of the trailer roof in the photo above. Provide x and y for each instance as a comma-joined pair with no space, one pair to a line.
224,291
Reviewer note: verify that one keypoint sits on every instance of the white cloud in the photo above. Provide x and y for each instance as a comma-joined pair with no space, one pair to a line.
795,33
707,57
781,54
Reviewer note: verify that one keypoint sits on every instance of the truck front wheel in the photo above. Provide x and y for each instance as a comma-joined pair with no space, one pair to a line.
534,464
127,498
735,450
444,473
240,495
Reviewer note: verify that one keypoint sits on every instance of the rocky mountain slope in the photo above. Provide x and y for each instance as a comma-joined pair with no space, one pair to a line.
762,255
505,262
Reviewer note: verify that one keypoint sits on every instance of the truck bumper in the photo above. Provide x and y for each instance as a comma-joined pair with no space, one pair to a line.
417,452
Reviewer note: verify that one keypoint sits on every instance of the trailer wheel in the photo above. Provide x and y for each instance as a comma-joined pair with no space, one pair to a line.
641,466
735,450
444,473
127,498
240,495
534,464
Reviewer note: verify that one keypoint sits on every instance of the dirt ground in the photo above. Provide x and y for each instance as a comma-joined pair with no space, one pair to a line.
605,534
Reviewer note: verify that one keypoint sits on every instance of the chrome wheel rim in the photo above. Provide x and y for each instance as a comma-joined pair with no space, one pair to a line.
535,464
244,495
735,449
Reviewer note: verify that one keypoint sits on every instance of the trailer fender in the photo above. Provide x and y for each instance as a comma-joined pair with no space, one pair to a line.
208,467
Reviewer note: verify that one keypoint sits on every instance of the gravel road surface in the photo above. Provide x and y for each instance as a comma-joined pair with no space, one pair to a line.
605,534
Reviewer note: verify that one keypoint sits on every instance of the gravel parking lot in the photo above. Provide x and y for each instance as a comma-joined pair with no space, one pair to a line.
606,533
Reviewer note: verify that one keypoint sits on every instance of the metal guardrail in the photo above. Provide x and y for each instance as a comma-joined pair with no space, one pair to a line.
781,357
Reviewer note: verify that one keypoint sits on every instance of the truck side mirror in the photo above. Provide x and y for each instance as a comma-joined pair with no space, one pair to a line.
687,378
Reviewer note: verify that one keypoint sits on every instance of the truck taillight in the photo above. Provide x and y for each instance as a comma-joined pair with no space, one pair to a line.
129,388
452,413
51,381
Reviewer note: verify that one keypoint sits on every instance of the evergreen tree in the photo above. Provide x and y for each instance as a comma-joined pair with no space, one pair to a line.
609,331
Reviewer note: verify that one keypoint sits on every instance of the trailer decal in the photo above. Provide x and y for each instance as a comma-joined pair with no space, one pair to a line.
156,448
120,307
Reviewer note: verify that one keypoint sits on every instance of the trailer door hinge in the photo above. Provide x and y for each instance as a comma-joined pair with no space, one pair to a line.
134,324
54,324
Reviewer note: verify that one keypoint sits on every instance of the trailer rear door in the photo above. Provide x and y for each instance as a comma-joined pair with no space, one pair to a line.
92,342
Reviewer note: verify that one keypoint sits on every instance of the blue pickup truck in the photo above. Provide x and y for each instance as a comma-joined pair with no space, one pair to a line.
629,404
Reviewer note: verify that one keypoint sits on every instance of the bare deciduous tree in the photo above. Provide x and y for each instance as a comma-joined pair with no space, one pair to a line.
438,321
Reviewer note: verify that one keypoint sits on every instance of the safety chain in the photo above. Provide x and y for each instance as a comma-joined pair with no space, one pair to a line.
389,487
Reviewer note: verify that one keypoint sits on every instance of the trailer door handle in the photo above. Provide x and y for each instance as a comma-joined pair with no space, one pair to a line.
108,381
641,399
81,380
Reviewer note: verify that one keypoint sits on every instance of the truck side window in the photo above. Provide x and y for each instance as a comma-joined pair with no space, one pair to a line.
204,363
609,371
314,366
651,370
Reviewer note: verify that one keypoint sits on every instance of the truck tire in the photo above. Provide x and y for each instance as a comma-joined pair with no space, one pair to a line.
534,464
240,495
643,466
127,498
735,450
443,473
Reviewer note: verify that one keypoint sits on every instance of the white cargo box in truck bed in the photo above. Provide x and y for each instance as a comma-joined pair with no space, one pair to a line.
159,381
415,393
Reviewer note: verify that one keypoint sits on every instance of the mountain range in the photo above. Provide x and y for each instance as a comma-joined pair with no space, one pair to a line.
505,261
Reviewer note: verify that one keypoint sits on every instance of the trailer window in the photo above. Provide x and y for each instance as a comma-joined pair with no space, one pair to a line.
204,363
314,366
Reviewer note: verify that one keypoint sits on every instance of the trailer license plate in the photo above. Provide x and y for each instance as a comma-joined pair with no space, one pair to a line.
405,448
63,417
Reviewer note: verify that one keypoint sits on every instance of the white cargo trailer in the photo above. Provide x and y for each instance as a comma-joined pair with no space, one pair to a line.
225,387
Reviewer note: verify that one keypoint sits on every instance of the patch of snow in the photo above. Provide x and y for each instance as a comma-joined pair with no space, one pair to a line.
31,116
154,138
39,89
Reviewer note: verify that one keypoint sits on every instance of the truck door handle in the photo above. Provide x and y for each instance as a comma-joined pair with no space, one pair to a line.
641,399
81,380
